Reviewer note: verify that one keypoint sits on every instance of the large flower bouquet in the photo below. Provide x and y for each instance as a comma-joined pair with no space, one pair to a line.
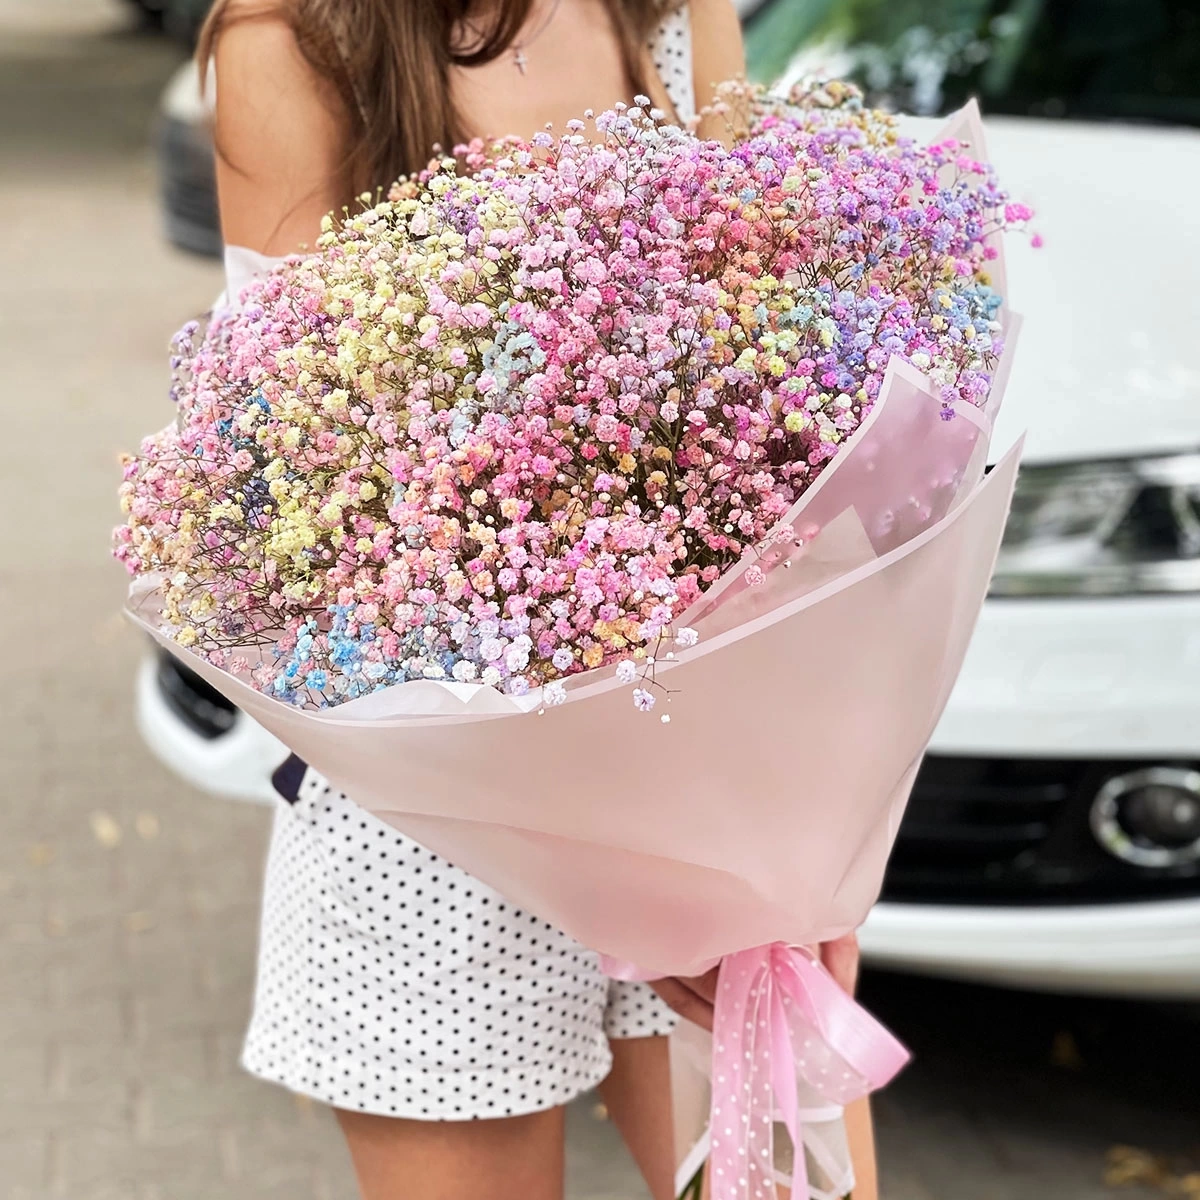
507,426
616,409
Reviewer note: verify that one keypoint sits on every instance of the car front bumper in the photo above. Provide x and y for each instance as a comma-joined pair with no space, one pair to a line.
1147,949
1058,678
996,875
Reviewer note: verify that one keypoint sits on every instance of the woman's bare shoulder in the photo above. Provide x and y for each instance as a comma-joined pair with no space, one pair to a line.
280,133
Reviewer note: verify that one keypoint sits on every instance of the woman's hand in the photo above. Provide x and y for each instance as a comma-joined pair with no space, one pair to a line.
693,998
841,958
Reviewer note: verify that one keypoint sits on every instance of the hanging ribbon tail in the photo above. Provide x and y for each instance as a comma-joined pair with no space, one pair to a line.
789,1046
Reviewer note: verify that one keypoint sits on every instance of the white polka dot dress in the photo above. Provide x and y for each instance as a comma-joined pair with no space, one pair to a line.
391,982
671,51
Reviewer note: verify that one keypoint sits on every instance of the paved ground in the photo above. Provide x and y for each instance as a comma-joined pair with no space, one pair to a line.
128,904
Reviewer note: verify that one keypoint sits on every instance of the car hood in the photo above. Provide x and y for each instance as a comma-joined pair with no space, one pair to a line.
1107,364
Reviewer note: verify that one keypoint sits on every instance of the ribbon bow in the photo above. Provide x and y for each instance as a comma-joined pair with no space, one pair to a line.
783,1027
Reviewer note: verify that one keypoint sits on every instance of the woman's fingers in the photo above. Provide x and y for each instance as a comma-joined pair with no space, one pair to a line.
693,998
840,959
686,1001
705,986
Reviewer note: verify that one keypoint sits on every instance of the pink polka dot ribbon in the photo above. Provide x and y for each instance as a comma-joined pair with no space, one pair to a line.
787,1040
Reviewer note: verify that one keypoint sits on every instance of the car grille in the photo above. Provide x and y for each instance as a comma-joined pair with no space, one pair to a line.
982,831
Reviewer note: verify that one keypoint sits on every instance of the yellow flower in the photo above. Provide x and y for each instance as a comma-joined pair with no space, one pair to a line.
367,490
187,636
593,656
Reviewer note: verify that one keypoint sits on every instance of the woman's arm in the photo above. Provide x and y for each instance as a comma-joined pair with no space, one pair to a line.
718,56
280,138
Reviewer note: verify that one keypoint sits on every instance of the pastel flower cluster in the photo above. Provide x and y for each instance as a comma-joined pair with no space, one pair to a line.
506,425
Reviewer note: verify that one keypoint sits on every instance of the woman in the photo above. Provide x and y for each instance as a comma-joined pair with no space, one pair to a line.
392,985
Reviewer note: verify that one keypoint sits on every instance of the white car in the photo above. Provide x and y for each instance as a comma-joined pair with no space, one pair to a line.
1053,837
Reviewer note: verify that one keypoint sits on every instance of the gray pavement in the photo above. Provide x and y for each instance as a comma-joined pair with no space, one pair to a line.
128,904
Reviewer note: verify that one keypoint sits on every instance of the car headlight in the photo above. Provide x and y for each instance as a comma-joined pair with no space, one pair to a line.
1104,529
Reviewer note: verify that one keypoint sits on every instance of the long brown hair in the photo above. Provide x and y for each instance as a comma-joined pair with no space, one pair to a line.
389,63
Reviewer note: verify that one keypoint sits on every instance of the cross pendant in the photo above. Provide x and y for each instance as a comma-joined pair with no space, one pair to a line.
520,60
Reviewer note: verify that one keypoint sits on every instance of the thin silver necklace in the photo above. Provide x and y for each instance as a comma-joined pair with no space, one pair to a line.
518,48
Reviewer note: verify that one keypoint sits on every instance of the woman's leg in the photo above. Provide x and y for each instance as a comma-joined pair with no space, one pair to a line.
860,1132
507,1158
637,1094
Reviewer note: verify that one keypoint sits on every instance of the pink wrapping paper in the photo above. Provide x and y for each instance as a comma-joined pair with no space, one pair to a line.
705,824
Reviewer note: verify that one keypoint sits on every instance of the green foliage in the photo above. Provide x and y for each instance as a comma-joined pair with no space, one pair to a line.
779,29
1135,59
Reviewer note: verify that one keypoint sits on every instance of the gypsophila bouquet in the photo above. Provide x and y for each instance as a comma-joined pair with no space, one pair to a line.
509,423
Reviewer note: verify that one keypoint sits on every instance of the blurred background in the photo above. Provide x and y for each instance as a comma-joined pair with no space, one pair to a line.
1038,941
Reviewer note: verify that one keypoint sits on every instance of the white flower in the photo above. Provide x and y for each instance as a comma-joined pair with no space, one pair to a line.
643,700
465,671
517,658
554,694
491,649
626,671
686,637
491,676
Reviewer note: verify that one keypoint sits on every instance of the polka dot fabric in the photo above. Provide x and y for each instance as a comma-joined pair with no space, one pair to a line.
671,50
391,982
